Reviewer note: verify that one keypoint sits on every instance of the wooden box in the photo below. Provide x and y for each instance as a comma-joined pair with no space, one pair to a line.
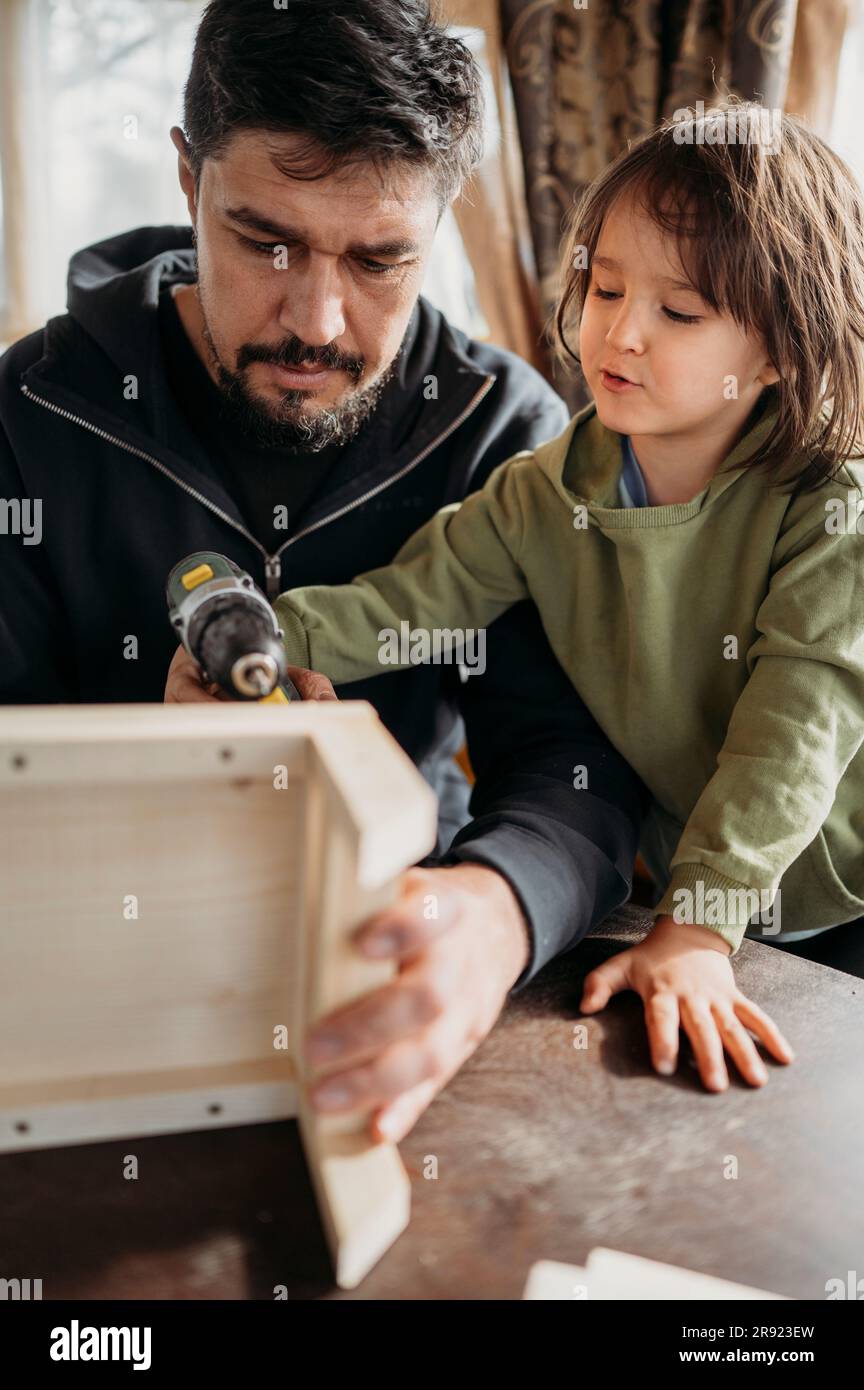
178,884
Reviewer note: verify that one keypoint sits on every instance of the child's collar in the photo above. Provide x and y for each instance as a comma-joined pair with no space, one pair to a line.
587,458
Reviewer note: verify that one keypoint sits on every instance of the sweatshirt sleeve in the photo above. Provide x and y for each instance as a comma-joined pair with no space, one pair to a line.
460,570
795,727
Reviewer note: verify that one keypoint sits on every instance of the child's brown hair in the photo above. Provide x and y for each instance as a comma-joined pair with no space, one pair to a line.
772,234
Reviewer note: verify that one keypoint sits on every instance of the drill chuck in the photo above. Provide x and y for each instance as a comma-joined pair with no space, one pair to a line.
228,626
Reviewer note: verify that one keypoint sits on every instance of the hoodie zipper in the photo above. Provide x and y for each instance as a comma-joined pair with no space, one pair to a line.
272,563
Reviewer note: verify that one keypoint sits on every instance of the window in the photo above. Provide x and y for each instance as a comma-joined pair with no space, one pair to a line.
90,89
88,92
846,124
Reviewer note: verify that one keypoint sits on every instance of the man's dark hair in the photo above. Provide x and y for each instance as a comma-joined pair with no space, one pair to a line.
360,80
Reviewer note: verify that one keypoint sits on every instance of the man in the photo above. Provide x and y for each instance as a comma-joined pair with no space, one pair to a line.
286,397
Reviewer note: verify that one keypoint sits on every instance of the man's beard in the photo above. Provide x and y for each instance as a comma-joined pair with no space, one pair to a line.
285,424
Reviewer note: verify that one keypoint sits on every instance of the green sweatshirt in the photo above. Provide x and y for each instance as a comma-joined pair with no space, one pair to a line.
719,644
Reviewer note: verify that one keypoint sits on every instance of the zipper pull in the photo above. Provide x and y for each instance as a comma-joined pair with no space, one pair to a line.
273,572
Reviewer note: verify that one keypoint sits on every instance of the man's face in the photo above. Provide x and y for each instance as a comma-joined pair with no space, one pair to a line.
305,287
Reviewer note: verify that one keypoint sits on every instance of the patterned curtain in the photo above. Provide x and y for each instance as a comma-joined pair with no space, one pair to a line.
588,75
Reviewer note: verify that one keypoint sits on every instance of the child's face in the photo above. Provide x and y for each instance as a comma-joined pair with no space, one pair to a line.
694,371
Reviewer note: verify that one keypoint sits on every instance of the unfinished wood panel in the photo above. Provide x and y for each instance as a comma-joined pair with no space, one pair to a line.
173,904
362,1189
44,1114
154,927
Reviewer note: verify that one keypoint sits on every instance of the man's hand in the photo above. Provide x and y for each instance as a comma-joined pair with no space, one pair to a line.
392,1051
399,1045
185,684
685,978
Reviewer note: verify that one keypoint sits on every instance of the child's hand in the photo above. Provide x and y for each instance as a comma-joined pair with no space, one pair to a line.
684,976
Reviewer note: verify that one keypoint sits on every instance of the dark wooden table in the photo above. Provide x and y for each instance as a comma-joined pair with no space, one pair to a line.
543,1151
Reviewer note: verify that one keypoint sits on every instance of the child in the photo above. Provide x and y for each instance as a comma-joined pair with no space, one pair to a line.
691,543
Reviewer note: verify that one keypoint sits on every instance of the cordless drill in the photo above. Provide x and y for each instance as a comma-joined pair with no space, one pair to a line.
225,622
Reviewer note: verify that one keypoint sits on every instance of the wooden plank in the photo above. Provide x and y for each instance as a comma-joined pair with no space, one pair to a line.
62,744
393,811
363,1193
50,724
118,1019
366,819
88,1109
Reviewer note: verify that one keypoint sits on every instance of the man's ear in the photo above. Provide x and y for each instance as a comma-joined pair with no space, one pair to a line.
184,171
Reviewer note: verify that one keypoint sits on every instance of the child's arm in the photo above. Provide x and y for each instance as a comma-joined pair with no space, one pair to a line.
460,570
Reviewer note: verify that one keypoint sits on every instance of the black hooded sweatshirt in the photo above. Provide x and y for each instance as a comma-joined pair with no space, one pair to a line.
98,440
